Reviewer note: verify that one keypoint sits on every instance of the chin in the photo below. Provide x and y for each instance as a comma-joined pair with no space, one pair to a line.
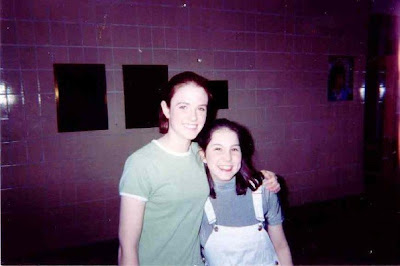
191,136
226,179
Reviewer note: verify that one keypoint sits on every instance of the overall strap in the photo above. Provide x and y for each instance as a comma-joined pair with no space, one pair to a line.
209,210
258,204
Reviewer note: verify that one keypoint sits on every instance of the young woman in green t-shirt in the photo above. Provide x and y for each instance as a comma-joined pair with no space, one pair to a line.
182,116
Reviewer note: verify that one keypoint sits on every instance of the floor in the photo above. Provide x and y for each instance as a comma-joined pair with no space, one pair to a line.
354,230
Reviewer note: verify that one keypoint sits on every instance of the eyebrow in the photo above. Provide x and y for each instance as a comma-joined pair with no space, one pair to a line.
217,144
189,103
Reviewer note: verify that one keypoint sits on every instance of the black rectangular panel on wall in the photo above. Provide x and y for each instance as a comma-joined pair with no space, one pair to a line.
142,84
219,91
81,97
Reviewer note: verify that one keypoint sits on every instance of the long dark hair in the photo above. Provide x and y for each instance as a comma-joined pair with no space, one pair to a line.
168,91
247,176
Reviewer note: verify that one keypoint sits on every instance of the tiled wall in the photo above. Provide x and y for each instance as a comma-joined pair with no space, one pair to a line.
60,189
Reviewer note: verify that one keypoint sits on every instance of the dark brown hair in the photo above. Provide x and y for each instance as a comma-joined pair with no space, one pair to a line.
247,172
169,90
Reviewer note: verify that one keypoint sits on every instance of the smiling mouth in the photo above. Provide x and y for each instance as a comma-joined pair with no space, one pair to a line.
190,126
226,168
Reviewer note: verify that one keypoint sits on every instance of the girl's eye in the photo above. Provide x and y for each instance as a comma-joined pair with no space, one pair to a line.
183,107
217,149
235,149
202,109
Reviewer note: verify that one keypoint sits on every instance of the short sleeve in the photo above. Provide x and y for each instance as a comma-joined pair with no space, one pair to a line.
135,180
273,213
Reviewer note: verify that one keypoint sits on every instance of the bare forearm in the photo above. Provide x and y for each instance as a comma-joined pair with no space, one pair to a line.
280,244
130,228
284,255
128,256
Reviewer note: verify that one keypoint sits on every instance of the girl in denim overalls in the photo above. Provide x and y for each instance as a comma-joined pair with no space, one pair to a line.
232,230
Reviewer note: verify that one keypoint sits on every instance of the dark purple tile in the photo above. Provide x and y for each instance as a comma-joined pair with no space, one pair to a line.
48,105
33,127
23,9
74,34
25,32
183,38
132,36
58,33
7,9
119,36
158,37
91,55
123,56
105,56
42,33
145,37
60,54
13,153
8,32
157,15
89,33
30,82
117,13
171,38
144,15
10,57
70,10
76,55
32,107
44,57
104,35
27,57
41,9
35,151
12,81
130,14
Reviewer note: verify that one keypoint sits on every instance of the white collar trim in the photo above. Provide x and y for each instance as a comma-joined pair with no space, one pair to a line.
186,153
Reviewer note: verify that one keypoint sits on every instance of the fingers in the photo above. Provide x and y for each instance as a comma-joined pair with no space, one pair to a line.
276,188
271,181
269,174
272,186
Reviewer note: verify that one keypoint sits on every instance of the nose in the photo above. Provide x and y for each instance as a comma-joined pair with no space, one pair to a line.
227,156
193,115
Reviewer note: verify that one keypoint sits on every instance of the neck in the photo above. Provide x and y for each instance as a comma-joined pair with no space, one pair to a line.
176,145
225,184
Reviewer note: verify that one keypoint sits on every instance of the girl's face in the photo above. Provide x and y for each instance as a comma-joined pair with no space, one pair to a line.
187,112
223,155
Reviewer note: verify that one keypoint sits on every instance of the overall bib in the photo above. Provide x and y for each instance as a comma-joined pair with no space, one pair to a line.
245,245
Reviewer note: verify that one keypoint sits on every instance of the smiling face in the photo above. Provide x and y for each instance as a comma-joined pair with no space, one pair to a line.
223,155
187,112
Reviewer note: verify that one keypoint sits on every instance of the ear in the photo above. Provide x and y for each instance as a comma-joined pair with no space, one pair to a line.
165,109
203,156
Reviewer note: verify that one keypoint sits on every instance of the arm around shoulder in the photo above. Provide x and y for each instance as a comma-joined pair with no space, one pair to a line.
280,243
130,228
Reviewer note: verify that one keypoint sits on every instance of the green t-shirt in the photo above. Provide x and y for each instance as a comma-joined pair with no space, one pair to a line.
175,188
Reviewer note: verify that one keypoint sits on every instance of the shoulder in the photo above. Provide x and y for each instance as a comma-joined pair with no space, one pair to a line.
269,197
144,153
195,147
272,207
136,177
147,150
141,159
